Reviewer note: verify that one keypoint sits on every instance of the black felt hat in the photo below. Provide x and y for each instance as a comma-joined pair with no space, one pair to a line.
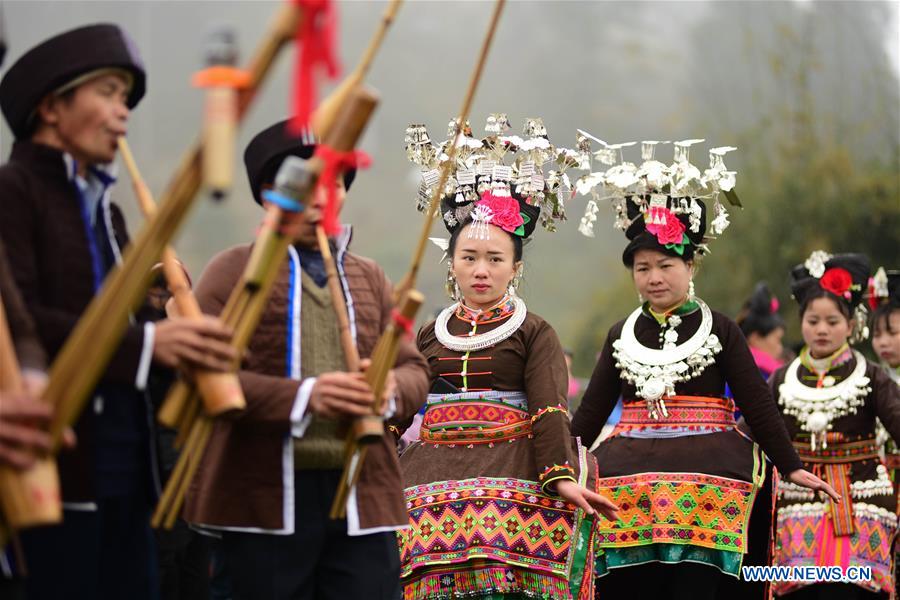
844,276
268,149
55,62
760,312
641,239
458,214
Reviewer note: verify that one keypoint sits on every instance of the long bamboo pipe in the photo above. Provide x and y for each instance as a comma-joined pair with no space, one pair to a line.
221,392
27,498
409,280
383,358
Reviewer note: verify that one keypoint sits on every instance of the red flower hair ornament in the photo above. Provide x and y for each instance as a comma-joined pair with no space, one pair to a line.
502,211
668,228
837,281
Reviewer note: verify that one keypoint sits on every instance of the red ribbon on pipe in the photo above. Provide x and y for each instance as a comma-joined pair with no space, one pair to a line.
335,163
404,324
315,49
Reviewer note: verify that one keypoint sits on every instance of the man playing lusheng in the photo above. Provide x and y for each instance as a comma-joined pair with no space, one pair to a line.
67,101
268,478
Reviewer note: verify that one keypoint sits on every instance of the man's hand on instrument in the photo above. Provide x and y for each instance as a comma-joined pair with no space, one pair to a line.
390,384
190,343
23,423
339,394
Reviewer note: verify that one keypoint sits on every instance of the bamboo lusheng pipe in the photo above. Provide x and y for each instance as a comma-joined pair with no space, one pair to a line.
409,280
367,429
327,111
87,351
249,299
355,456
322,120
351,355
383,358
27,498
221,392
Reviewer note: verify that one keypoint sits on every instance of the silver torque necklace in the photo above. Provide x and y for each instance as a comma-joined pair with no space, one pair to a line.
655,372
472,341
816,407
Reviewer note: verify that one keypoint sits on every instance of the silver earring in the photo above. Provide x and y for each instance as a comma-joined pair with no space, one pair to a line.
514,283
451,287
691,289
641,298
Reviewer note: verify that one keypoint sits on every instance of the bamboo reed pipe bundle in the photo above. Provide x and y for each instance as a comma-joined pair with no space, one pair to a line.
355,454
27,498
383,358
220,392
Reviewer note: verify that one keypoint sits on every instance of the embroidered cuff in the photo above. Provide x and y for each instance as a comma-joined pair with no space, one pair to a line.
550,475
300,420
143,370
548,410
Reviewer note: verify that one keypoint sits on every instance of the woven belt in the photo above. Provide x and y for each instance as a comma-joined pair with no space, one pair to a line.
472,418
687,413
838,451
832,464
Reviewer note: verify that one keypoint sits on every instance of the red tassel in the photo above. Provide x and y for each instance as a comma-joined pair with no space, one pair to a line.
335,163
403,324
315,48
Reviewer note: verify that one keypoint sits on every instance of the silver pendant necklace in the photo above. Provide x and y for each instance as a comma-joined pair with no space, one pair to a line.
656,372
815,408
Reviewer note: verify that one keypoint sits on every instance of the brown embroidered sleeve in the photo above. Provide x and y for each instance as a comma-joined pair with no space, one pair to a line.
753,397
886,397
602,393
546,381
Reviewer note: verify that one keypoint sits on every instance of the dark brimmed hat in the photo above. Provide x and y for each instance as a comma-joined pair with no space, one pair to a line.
844,277
268,149
760,312
642,239
55,62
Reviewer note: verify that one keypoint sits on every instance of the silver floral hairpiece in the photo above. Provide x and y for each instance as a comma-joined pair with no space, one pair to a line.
651,184
500,163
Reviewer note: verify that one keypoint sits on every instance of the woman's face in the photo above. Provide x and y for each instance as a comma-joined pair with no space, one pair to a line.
824,327
886,340
661,279
770,343
484,268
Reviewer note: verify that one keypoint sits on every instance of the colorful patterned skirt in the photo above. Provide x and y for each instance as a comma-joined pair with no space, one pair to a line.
858,531
480,526
685,486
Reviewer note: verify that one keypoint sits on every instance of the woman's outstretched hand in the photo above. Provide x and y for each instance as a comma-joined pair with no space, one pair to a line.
584,498
804,478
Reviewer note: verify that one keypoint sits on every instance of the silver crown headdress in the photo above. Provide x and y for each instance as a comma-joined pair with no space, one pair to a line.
499,163
653,183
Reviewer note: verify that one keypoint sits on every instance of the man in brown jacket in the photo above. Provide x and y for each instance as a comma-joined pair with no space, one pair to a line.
67,100
268,478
